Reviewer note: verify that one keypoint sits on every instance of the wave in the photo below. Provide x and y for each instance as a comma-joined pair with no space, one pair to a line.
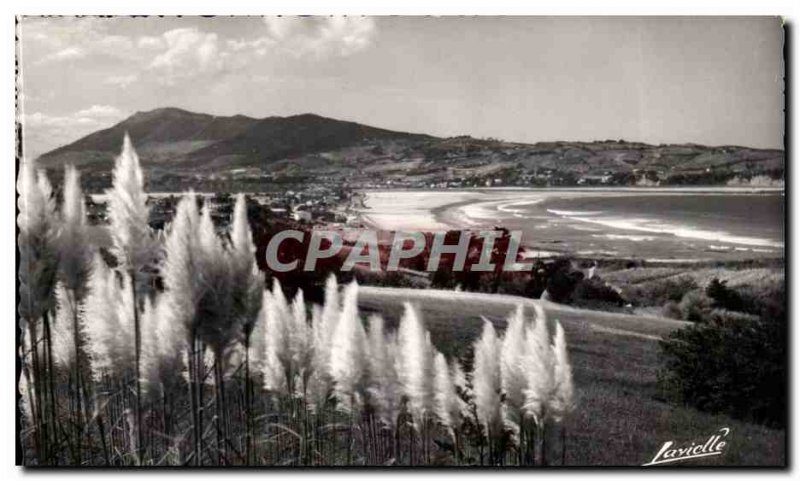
573,213
677,230
509,207
634,238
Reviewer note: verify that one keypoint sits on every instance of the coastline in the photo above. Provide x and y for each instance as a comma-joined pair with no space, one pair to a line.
576,234
711,189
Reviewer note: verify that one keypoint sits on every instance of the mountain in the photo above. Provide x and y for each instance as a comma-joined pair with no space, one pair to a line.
181,149
195,140
166,130
275,138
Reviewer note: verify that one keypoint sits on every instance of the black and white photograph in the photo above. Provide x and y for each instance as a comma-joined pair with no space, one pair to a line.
476,242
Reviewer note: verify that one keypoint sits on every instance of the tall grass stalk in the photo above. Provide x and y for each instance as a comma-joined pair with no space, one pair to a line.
175,353
133,248
38,264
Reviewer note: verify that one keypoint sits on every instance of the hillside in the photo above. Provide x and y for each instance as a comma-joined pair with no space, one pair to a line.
275,138
162,130
195,140
181,149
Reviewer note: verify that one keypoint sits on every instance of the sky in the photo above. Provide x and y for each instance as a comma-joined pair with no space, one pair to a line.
705,80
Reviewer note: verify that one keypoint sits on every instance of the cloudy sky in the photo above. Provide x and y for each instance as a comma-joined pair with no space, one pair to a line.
670,80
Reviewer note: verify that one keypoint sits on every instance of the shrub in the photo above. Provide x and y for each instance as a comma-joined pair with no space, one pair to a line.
725,297
730,365
732,362
767,299
562,281
594,291
443,279
671,310
694,306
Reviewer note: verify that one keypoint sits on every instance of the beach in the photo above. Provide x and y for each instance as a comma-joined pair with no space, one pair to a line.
670,225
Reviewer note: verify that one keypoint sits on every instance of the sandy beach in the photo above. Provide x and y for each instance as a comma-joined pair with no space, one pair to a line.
665,224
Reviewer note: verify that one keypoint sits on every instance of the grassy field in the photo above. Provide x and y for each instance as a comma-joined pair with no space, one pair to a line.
615,359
